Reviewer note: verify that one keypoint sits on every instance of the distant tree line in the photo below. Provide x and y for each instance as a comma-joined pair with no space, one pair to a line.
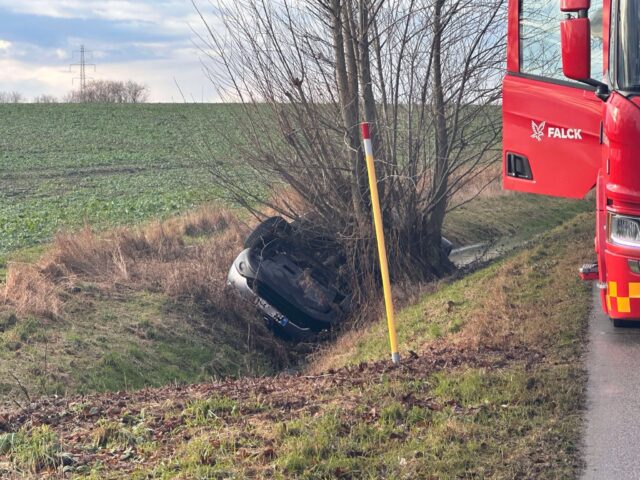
96,91
11,97
108,91
45,99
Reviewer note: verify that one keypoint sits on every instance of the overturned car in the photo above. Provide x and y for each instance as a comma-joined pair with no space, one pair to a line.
295,285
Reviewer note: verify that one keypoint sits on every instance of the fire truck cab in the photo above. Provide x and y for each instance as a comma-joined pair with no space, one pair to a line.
571,111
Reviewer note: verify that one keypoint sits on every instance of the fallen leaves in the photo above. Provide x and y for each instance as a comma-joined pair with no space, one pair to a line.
75,420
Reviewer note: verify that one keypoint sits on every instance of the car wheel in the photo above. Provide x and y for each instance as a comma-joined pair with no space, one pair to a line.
267,231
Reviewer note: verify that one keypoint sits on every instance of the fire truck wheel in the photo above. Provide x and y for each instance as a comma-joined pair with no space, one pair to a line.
622,323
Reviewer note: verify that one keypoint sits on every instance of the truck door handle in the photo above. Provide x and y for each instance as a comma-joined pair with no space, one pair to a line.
518,166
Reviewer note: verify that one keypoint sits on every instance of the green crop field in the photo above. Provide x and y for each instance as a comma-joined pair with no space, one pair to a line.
65,165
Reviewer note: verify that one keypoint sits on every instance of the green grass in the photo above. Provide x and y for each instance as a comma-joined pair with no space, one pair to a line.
429,319
483,435
33,450
521,421
510,408
513,215
514,419
64,165
110,165
109,340
134,340
202,412
111,434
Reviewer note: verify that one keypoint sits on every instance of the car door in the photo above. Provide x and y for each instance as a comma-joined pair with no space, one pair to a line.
551,126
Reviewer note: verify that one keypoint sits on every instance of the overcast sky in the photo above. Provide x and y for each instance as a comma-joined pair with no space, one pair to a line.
150,41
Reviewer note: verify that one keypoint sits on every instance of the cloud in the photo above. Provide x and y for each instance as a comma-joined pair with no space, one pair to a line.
162,17
105,9
32,79
168,79
148,41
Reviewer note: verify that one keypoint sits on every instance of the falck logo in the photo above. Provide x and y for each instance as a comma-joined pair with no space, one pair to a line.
538,130
554,132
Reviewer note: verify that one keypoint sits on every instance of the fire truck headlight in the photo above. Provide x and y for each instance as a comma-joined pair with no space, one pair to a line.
624,230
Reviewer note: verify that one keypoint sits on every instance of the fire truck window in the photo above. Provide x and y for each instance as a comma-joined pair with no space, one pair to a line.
629,46
597,40
540,48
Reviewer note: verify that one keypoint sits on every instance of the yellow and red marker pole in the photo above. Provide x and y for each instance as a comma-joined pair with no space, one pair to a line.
382,249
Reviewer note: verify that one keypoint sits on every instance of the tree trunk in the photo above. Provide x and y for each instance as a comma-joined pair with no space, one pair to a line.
439,187
348,104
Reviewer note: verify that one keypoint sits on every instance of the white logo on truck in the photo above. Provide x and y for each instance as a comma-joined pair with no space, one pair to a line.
538,130
555,132
565,133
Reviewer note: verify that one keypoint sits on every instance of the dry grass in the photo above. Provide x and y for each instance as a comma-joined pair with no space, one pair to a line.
186,257
29,290
485,183
498,322
505,318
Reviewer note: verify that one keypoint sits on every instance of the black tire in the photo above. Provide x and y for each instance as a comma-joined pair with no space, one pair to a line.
267,231
622,323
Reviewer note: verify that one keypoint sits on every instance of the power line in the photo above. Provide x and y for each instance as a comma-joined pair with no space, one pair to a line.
82,64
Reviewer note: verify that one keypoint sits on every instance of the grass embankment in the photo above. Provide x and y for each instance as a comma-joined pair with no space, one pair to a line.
517,216
494,390
130,308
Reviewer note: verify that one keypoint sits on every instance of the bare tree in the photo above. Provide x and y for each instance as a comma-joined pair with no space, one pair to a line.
45,99
135,92
11,97
108,91
425,74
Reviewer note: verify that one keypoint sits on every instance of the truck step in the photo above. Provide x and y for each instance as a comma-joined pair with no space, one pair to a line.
589,271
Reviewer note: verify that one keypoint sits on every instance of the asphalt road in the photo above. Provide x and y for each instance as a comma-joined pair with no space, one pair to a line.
612,442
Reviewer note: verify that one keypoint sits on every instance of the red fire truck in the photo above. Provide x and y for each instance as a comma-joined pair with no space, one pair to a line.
570,128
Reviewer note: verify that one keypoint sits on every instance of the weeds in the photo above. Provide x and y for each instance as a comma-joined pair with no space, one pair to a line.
201,412
110,433
33,450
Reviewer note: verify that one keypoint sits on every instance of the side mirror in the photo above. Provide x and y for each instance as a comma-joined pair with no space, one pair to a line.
575,34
